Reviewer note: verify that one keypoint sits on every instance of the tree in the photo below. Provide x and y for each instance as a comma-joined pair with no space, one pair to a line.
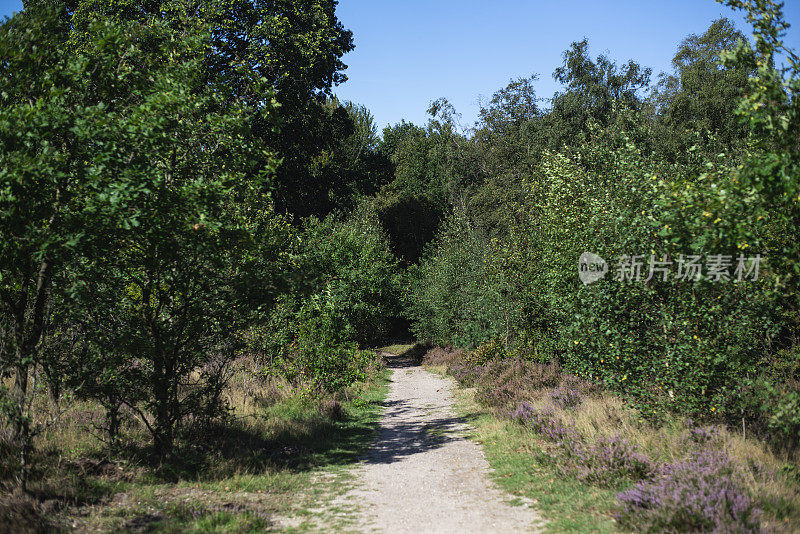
702,94
414,203
595,90
510,107
509,140
184,280
295,46
350,167
138,184
770,174
59,199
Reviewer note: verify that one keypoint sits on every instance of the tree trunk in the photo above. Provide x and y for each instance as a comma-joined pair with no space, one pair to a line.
163,436
22,429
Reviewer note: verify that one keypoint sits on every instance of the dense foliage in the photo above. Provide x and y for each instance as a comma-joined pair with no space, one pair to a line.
601,171
344,291
147,150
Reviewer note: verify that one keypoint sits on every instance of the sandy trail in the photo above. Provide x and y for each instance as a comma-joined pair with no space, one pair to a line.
423,474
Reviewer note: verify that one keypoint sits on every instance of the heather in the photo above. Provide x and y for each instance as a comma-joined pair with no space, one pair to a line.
703,493
679,475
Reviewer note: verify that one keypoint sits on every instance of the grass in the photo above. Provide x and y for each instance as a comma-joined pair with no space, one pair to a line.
522,467
397,349
279,463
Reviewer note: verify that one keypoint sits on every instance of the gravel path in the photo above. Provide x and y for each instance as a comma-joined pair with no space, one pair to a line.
423,474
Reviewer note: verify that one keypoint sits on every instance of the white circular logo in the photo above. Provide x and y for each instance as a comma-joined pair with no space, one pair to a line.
591,268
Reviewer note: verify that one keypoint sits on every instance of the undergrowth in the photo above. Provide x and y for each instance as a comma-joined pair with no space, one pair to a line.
284,448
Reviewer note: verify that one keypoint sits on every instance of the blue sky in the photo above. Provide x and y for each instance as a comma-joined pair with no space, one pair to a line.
411,52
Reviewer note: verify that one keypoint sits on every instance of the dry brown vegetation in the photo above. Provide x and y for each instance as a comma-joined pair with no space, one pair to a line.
241,471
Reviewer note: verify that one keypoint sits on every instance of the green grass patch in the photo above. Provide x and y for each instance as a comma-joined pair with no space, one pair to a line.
396,350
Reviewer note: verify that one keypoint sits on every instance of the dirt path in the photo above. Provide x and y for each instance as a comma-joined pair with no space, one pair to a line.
423,474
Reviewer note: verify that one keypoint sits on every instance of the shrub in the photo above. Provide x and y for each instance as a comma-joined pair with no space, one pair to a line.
333,368
570,392
492,350
544,422
507,382
452,296
348,264
606,462
773,405
502,383
704,493
321,356
332,409
701,436
442,356
465,373
10,454
346,268
784,419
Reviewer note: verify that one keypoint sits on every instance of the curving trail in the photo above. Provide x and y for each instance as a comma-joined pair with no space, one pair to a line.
423,474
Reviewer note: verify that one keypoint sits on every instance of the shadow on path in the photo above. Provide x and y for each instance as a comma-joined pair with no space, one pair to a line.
402,361
399,440
409,427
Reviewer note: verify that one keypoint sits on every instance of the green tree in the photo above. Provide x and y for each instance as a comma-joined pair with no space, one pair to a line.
595,91
347,265
412,205
702,94
60,196
509,140
351,167
295,46
452,296
185,279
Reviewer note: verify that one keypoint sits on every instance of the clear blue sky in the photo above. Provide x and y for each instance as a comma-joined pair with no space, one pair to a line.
411,52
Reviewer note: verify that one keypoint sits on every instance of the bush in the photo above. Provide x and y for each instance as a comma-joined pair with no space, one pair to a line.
465,374
344,272
607,462
771,402
442,356
452,297
348,266
545,423
344,294
566,396
323,356
492,350
702,494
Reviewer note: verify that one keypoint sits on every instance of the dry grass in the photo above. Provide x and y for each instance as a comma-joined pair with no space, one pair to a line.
764,469
263,455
